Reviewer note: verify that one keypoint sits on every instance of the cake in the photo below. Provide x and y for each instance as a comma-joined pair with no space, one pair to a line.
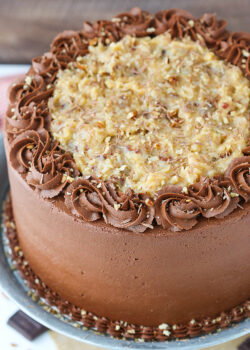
128,157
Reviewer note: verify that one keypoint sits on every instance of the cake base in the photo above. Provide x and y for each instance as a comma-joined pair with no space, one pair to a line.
117,329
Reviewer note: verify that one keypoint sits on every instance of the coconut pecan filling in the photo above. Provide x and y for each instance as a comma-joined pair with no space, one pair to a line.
151,111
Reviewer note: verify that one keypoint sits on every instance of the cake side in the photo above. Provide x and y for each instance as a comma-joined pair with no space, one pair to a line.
147,279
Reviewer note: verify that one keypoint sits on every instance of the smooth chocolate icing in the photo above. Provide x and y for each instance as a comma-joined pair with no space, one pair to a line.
198,273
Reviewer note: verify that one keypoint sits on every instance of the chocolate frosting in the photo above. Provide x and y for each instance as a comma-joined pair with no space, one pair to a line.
101,29
136,22
207,198
118,329
48,167
231,50
239,174
46,66
27,147
92,198
212,30
176,210
176,21
51,171
28,108
67,46
213,197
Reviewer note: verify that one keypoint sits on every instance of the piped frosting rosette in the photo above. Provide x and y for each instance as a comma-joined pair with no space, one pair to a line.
91,199
47,168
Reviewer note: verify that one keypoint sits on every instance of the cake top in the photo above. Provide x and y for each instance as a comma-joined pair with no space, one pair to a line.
149,112
160,140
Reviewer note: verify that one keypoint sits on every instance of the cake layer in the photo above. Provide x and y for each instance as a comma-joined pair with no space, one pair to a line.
149,278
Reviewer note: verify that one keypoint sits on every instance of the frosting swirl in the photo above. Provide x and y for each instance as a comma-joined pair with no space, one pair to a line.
26,148
213,198
51,171
239,174
208,198
176,21
176,210
212,30
48,168
67,46
84,199
135,22
131,211
92,198
101,29
47,66
28,109
235,49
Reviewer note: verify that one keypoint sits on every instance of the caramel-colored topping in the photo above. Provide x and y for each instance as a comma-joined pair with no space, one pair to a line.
151,112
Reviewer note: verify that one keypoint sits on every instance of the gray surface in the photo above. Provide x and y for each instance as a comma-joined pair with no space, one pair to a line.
15,290
27,27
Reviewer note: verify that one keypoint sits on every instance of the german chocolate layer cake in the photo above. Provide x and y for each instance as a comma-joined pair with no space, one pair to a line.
129,164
